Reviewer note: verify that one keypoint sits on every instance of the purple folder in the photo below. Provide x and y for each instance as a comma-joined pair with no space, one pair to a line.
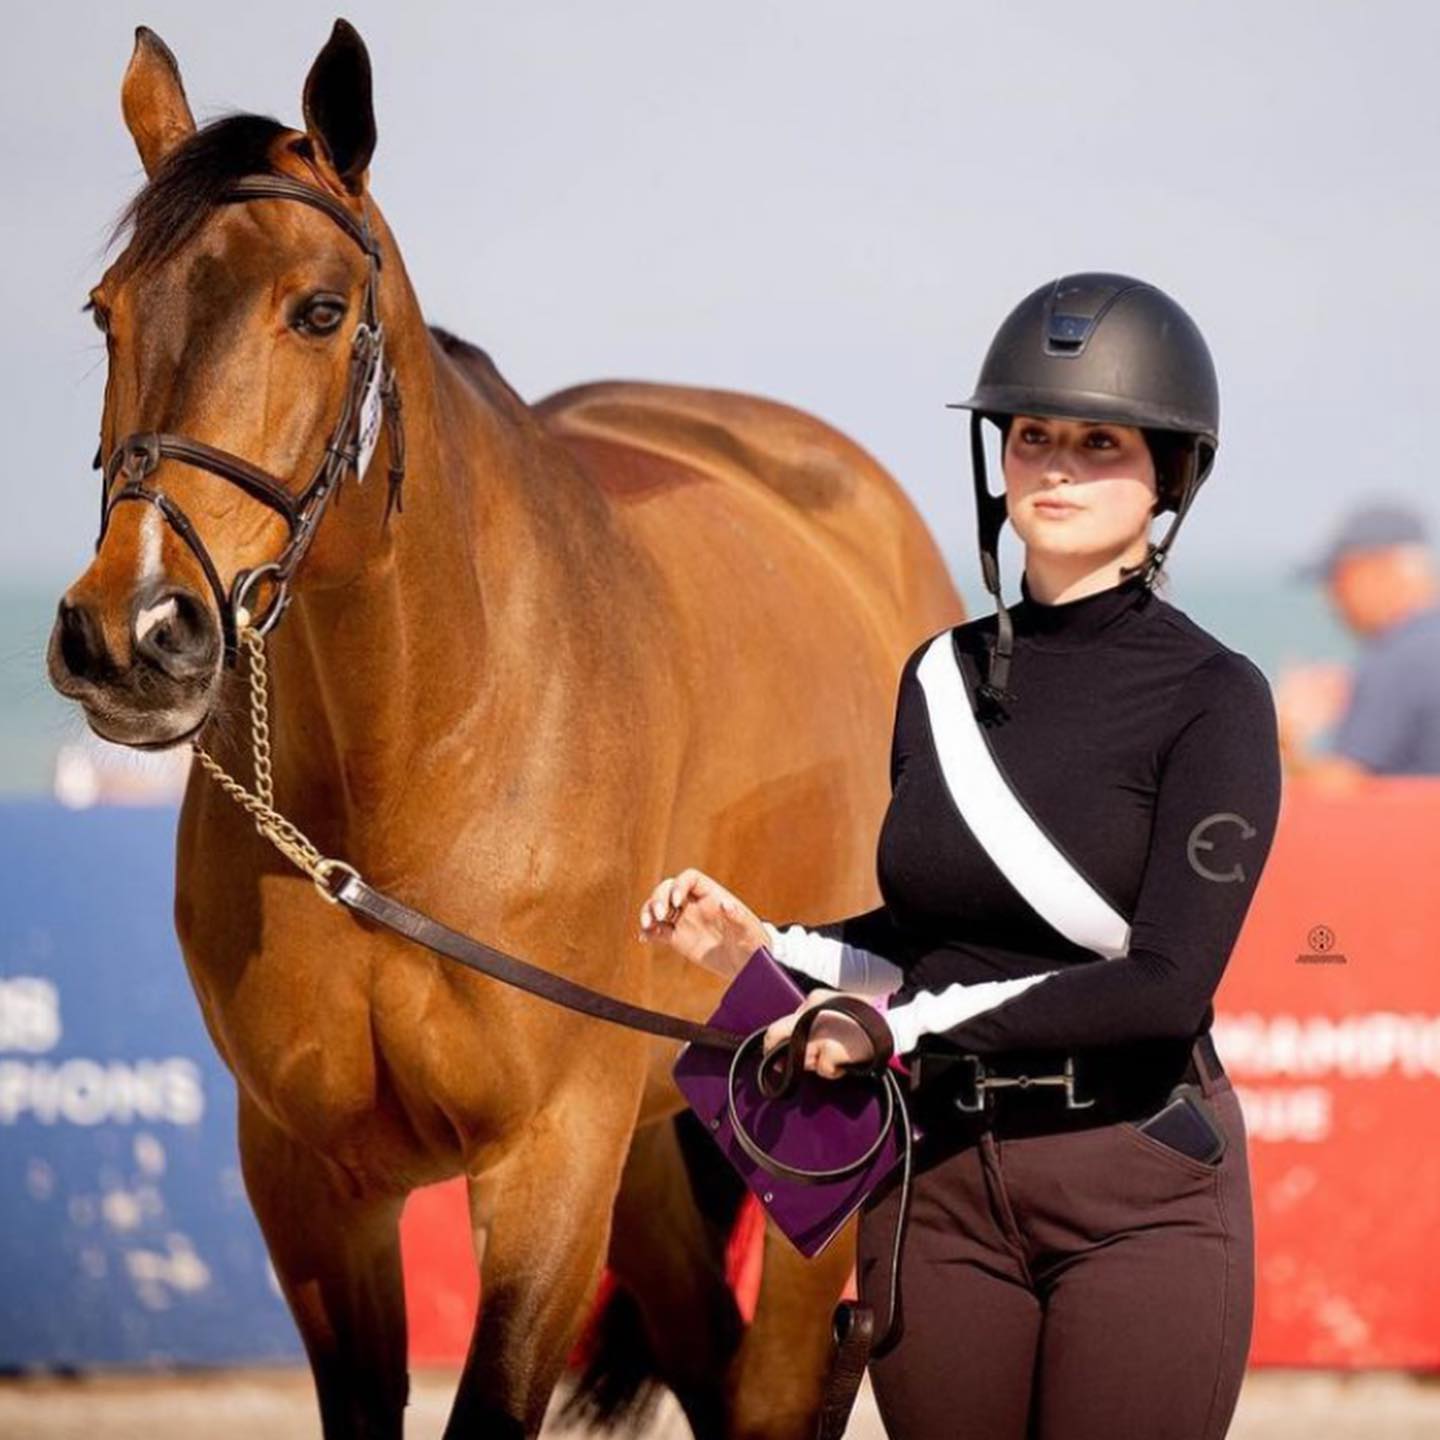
818,1125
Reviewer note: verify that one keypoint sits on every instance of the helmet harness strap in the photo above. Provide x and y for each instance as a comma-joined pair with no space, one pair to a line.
991,513
1189,485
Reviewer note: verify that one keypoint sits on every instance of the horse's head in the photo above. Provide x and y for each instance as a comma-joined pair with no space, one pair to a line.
244,383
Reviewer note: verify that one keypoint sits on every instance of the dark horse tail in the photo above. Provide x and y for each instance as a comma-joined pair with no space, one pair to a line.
624,1368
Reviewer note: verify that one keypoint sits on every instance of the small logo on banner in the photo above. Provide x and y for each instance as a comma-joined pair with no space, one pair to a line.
1322,951
371,410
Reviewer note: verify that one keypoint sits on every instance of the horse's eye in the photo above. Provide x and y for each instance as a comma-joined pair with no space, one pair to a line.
321,314
100,317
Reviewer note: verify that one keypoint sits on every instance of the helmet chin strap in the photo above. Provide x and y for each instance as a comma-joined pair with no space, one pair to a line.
1189,488
991,514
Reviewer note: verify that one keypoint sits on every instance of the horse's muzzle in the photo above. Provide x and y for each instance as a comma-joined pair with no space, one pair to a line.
151,684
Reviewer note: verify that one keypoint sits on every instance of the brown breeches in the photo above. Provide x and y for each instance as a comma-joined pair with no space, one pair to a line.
1087,1284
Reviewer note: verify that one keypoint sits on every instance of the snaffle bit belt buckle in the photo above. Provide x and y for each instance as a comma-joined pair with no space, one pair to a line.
984,1081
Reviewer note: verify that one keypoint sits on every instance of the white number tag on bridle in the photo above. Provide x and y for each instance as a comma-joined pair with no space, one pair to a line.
371,409
1029,859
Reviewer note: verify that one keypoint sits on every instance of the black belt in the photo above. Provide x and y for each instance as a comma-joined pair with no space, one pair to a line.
1020,1092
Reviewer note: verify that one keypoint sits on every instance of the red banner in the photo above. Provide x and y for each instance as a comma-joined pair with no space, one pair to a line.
1328,1022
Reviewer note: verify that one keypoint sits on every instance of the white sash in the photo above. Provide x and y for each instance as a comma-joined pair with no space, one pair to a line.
1032,862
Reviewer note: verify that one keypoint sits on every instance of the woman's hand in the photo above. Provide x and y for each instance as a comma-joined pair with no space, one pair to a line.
836,1040
701,919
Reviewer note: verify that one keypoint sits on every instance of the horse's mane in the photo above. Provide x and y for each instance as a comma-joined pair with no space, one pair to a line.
165,212
479,369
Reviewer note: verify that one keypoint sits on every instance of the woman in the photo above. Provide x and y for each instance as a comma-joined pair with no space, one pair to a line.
1085,790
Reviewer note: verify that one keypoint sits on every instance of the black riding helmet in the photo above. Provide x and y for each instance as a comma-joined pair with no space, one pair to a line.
1096,347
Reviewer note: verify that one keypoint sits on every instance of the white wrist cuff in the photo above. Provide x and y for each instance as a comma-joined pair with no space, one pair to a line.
833,963
933,1011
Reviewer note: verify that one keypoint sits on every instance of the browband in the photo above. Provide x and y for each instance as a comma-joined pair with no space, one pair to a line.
281,187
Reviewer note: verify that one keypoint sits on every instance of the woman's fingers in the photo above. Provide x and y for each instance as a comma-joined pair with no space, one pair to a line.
700,918
778,1034
684,884
731,912
652,905
781,1030
670,896
835,1043
656,910
715,907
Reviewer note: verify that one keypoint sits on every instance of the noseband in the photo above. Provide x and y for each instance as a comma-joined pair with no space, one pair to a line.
370,392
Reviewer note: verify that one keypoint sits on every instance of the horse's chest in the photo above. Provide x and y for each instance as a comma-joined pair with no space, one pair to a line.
290,993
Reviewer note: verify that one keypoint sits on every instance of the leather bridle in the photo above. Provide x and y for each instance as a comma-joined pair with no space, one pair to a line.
370,389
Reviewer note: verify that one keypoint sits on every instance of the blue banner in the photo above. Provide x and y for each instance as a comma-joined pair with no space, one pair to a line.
125,1234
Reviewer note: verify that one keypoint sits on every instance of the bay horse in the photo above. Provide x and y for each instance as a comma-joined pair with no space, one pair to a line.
629,628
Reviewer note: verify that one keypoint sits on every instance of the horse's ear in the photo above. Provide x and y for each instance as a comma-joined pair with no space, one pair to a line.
153,100
339,111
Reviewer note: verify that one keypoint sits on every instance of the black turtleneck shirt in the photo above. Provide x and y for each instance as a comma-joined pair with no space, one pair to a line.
1147,751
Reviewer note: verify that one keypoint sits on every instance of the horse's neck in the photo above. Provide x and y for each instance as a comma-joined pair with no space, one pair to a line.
392,687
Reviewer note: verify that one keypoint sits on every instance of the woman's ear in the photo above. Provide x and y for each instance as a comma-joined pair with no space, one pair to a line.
339,110
153,101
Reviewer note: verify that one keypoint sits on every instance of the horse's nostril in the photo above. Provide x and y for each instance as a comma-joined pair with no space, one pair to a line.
168,635
174,633
82,647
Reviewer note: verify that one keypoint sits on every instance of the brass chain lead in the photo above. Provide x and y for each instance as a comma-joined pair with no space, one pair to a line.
259,803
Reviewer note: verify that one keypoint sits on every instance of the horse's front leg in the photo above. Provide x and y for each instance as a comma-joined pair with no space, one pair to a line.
336,1251
541,1224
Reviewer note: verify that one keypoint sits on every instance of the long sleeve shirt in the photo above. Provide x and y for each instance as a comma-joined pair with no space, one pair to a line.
1148,753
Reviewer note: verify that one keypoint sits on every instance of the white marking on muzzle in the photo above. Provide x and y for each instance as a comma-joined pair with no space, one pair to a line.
152,615
152,533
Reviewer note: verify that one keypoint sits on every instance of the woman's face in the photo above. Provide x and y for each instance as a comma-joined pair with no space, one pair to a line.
1077,487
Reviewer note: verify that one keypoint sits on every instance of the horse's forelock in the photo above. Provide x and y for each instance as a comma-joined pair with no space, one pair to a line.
168,210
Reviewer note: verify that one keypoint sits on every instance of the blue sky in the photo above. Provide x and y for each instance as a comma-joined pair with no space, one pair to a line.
827,202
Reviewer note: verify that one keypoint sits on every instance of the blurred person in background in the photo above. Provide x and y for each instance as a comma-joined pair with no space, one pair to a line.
1381,579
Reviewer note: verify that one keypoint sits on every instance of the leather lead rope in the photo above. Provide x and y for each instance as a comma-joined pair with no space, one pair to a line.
393,914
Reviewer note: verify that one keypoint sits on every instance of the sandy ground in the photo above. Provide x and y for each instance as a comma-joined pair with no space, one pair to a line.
1275,1405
